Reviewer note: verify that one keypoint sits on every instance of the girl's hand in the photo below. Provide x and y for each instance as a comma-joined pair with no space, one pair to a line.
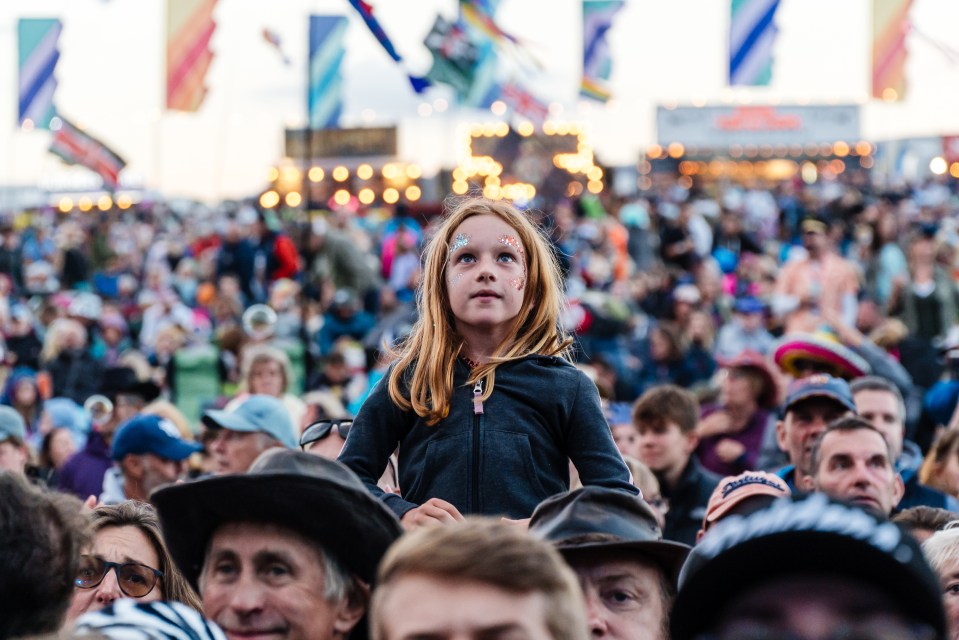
516,523
433,511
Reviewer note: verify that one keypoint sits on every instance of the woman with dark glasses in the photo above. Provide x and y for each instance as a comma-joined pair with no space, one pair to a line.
128,559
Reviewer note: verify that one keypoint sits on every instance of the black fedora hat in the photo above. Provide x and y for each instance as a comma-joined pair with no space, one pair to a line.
318,498
606,519
117,380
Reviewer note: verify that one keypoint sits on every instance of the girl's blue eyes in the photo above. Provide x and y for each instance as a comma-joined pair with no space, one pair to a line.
470,258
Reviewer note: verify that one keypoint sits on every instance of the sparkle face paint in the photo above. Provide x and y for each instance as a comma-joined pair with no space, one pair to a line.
460,241
514,244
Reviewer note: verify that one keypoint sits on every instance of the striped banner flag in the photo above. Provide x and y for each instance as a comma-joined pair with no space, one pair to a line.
478,19
523,103
597,59
890,24
75,146
37,59
752,36
190,27
324,99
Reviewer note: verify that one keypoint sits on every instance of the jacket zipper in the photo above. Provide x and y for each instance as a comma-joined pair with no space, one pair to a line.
477,412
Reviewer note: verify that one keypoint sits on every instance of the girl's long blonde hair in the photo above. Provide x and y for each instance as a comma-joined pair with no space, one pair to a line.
422,379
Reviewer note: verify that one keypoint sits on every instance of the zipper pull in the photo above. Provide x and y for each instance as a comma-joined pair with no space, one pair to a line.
478,398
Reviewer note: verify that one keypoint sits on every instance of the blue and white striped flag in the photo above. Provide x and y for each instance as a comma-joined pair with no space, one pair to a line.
325,85
752,35
37,59
597,59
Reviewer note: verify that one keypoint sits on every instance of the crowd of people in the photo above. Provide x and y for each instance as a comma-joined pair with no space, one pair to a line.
722,414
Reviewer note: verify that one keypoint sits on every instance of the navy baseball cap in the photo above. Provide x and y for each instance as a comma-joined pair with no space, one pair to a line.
820,385
749,304
145,433
257,414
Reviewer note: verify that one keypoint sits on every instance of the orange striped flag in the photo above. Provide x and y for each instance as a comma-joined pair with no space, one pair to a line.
890,24
190,27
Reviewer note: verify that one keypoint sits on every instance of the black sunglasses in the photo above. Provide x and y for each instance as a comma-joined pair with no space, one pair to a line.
322,428
135,580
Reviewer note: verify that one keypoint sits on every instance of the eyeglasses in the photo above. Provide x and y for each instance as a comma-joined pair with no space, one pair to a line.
322,428
135,580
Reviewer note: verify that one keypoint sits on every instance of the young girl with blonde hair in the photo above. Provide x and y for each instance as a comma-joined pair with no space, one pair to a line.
483,401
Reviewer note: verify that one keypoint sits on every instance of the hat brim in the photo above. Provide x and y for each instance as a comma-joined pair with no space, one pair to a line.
219,419
353,526
669,555
704,595
842,359
178,450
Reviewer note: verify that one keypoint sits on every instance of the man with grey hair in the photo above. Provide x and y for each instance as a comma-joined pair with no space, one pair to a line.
260,423
289,548
880,402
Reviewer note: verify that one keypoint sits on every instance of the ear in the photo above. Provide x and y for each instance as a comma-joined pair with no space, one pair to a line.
132,466
351,609
781,435
692,441
898,490
808,484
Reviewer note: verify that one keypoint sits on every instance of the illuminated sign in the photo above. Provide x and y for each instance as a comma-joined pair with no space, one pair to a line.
725,126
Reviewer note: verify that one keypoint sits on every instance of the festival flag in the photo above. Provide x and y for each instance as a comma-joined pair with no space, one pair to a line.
37,59
597,60
272,38
524,103
479,16
455,55
325,81
190,27
366,12
890,24
76,146
752,36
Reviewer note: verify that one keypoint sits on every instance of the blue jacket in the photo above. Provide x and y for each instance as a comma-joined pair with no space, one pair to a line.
543,413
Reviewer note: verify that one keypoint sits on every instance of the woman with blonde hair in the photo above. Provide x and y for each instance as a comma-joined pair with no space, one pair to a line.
267,370
483,401
128,559
940,468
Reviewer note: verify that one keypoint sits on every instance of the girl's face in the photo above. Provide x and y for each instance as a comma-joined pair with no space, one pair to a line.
486,276
26,394
266,377
61,447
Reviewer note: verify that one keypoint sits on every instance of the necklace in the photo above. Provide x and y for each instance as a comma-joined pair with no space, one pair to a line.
472,364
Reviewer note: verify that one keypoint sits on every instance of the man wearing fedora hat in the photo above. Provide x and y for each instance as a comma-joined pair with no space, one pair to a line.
288,549
613,543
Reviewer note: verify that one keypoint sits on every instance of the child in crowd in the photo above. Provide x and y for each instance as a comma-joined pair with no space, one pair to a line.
483,402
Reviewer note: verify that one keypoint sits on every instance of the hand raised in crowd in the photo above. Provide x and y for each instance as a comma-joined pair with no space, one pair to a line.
432,511
714,424
729,450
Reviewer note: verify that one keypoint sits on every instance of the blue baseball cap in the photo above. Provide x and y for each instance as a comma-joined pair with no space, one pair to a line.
257,414
749,304
619,413
12,425
145,433
820,385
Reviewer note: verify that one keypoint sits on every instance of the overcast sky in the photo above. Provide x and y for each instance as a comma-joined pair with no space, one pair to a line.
111,79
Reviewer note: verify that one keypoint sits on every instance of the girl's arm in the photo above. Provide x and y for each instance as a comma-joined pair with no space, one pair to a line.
590,443
374,436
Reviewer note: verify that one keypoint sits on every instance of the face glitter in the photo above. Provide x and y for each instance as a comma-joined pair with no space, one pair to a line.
461,240
456,279
512,242
518,283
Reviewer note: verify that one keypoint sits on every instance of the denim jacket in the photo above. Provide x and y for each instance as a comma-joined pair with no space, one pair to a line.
502,457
